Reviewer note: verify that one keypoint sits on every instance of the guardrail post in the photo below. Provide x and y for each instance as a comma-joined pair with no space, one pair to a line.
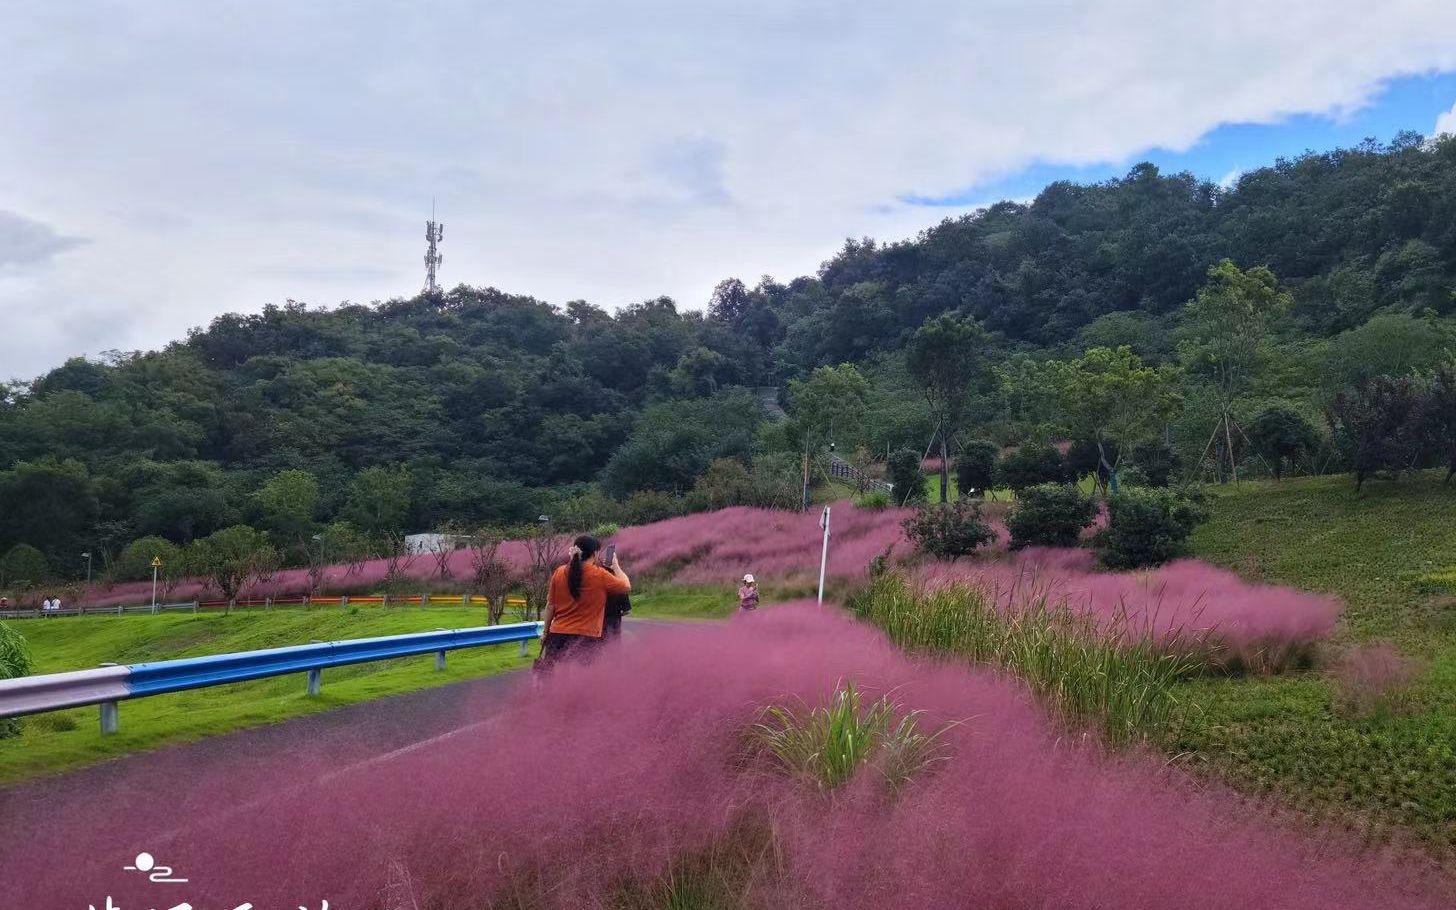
194,606
315,681
524,647
267,603
229,610
425,599
110,713
343,601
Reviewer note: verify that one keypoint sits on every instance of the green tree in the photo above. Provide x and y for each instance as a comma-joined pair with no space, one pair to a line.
1229,326
1283,437
134,563
906,476
379,500
288,502
976,467
23,564
1105,395
1377,426
726,482
231,558
946,356
827,406
49,504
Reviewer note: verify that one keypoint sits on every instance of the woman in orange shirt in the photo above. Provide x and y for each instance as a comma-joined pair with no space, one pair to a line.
576,604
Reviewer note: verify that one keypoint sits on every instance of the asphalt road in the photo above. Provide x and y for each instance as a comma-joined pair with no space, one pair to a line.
249,759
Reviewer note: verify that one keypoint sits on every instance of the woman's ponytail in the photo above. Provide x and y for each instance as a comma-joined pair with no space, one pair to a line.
582,549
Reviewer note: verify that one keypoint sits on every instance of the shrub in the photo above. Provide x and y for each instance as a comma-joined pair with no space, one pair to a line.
975,467
1030,465
605,530
874,499
1148,527
906,475
1051,515
726,482
23,563
1156,460
948,531
14,662
647,506
829,744
1283,437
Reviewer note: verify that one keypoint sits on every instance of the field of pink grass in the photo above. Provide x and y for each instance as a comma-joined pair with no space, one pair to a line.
609,771
1255,624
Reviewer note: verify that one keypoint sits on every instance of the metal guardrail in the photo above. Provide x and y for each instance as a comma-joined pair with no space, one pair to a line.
268,603
109,685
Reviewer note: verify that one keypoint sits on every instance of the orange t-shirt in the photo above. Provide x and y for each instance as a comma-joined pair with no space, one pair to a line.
583,615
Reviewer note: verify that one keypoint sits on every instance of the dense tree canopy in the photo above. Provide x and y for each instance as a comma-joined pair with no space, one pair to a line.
479,406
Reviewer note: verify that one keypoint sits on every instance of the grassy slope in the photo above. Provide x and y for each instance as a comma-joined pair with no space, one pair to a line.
1284,733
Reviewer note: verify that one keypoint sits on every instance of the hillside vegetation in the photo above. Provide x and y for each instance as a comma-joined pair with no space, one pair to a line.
481,407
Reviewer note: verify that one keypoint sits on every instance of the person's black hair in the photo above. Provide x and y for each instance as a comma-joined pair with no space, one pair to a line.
586,547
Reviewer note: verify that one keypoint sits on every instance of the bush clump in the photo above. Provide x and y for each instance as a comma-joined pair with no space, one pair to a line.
1148,527
1030,465
14,662
874,499
975,467
948,531
907,476
1050,515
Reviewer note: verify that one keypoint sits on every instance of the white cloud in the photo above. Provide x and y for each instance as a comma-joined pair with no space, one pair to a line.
607,151
1446,123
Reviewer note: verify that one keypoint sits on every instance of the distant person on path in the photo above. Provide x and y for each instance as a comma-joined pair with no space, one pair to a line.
748,594
576,604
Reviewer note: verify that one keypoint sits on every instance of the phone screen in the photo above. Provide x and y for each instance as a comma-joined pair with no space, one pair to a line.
609,554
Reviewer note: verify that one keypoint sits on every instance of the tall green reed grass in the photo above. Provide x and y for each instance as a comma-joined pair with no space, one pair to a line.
1112,677
828,744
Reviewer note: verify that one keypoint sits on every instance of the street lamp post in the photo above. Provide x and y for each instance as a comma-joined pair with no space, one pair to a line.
156,564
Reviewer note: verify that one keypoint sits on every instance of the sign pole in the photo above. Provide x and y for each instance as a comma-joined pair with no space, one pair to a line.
824,555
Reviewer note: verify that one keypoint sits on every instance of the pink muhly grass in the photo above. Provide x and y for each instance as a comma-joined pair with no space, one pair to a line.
613,771
1373,678
1254,626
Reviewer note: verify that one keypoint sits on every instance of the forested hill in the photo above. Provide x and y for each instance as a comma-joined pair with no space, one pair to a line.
469,403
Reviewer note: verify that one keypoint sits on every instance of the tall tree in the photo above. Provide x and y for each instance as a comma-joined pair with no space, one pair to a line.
1230,321
1108,396
288,501
946,356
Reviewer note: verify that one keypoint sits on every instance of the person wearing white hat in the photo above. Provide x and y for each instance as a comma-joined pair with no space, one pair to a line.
748,594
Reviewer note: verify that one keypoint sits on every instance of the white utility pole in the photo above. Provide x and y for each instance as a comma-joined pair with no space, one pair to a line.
824,556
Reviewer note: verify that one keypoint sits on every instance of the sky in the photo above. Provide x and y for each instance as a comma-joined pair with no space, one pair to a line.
165,162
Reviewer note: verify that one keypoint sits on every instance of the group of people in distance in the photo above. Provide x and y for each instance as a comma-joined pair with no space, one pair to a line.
587,600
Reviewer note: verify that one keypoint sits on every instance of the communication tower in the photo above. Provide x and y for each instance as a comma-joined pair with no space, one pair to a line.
434,233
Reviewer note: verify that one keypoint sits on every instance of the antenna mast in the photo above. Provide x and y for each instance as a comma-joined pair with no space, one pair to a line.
434,233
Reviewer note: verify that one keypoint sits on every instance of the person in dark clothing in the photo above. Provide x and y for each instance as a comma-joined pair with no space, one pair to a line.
618,606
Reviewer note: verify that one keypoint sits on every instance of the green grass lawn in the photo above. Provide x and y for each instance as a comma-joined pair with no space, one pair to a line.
1384,552
67,739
